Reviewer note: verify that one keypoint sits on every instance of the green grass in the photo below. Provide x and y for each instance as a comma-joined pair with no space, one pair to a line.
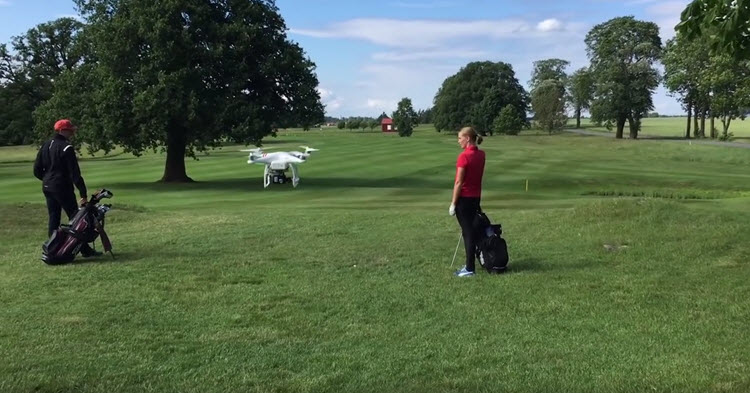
675,127
344,284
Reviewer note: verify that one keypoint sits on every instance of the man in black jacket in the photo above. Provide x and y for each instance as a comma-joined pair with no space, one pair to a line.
57,167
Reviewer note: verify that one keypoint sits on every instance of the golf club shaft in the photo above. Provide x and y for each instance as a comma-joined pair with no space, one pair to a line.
456,252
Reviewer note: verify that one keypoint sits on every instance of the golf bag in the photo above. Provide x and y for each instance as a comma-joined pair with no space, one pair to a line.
492,250
85,227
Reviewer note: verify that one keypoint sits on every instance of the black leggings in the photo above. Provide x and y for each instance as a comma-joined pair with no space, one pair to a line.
466,211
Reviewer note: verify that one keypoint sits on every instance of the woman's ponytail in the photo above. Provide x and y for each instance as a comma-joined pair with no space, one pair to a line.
472,134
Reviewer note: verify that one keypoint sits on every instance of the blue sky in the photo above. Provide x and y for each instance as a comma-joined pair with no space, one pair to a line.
370,54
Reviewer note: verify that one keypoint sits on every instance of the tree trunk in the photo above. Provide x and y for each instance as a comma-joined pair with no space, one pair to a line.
578,117
174,169
703,123
620,127
633,127
690,112
713,127
696,130
726,125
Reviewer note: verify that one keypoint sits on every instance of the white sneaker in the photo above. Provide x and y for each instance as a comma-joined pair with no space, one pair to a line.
463,273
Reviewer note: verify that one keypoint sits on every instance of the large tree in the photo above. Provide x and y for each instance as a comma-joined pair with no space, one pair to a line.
729,81
28,72
404,118
548,82
548,104
580,92
685,62
185,75
622,53
476,95
724,24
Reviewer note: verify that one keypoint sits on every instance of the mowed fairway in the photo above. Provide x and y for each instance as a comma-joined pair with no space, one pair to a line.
675,127
629,272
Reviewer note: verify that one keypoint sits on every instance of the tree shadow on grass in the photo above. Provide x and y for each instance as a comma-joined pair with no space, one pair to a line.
131,256
109,158
524,265
311,183
106,258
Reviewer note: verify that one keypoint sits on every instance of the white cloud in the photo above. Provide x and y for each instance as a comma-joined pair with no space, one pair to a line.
428,55
380,104
364,84
331,101
549,25
334,105
413,58
5,3
386,83
433,33
667,16
392,73
324,93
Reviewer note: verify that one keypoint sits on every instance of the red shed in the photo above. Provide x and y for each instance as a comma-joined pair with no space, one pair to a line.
387,124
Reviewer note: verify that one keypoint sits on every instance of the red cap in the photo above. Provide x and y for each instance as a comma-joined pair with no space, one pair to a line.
63,125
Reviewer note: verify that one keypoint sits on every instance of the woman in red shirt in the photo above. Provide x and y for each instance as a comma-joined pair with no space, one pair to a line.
467,192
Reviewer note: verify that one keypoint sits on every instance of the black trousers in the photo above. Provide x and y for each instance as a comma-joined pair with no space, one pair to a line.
57,201
466,211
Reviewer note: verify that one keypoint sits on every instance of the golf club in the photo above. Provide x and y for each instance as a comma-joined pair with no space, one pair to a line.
456,252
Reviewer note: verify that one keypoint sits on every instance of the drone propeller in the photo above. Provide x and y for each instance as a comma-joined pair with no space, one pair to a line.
309,149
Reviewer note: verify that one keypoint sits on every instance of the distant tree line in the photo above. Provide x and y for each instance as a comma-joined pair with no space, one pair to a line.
405,118
706,66
195,79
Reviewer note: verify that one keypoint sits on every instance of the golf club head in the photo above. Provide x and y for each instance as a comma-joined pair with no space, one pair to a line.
103,193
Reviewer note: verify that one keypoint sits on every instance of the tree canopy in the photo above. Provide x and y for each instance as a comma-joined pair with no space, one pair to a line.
28,71
724,24
622,53
548,103
508,121
548,82
185,76
580,92
549,69
685,62
404,118
476,95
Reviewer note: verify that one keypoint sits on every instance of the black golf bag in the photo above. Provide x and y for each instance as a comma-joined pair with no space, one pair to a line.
85,227
492,250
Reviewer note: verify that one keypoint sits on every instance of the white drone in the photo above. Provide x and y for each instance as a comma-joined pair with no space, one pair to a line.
278,163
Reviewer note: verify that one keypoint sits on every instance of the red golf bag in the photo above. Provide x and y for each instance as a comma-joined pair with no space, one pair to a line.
85,227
